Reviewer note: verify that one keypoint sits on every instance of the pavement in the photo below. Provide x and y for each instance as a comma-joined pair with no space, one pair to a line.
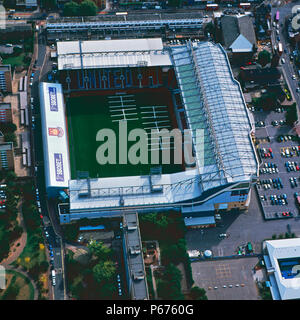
241,227
227,279
277,147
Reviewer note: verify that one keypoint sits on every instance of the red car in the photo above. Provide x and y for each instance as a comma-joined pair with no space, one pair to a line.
270,150
268,155
297,168
285,213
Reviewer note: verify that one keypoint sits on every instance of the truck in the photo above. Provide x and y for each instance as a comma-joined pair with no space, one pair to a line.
280,48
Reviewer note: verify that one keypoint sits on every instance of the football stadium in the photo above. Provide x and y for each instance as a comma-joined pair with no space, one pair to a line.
142,84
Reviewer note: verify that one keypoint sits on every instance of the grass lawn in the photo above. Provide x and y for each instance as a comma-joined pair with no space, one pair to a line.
15,61
18,287
88,114
30,251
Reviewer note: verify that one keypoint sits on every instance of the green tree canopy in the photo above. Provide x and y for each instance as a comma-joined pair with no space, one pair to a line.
71,9
264,57
198,293
291,114
175,3
49,4
98,249
104,271
9,4
88,8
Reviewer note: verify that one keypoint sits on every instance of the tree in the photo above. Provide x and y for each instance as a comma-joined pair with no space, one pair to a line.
49,4
98,249
70,232
170,285
88,8
198,293
264,57
10,137
104,271
291,114
175,3
71,9
9,4
44,265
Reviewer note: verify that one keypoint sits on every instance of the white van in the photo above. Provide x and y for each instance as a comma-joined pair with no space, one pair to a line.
53,277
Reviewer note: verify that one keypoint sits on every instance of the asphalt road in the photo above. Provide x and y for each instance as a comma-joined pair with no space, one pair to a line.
288,67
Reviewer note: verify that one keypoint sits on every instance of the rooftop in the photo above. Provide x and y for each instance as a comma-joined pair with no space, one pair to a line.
235,25
217,114
111,53
280,253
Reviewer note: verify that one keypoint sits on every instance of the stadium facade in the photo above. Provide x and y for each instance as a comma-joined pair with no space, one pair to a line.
206,99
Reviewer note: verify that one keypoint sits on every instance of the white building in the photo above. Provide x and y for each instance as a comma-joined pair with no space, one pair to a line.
283,266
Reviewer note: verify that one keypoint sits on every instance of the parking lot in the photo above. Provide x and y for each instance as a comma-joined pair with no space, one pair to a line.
227,279
279,171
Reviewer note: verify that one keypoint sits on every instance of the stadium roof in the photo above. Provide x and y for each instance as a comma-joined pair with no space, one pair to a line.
216,113
111,53
88,195
54,133
284,249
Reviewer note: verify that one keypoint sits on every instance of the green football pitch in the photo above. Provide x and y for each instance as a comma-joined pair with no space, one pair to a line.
86,115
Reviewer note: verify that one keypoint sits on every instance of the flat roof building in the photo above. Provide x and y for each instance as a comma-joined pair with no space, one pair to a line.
5,78
282,261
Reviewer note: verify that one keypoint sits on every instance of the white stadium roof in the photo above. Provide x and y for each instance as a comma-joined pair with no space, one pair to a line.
54,133
111,53
217,114
284,249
